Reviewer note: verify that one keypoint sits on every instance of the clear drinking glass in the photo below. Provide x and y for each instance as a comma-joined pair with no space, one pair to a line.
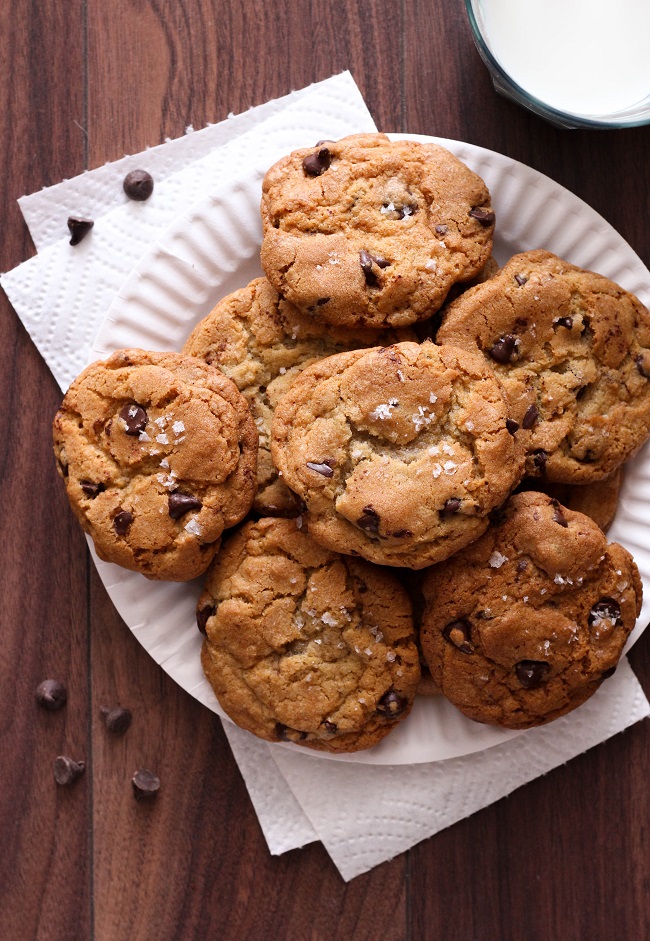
633,116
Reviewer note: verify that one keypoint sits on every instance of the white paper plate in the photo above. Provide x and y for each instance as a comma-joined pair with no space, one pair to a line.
213,250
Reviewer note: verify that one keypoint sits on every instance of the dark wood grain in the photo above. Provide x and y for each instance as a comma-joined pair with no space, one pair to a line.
83,82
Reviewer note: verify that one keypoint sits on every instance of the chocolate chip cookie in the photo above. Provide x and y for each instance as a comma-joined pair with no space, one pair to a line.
399,453
304,645
262,342
524,625
572,350
373,232
158,452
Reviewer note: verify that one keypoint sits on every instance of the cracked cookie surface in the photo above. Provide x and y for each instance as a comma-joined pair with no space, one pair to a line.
369,231
572,350
305,645
523,626
399,453
158,453
262,343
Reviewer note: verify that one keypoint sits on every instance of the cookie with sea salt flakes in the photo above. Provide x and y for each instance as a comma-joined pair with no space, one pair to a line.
262,342
305,645
399,453
368,231
158,452
524,625
572,350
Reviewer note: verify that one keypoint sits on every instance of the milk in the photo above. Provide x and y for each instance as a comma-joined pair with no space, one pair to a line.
586,57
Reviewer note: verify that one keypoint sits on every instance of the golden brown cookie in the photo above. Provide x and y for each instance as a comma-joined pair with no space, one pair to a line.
523,626
572,350
304,645
598,501
158,452
398,453
262,342
368,231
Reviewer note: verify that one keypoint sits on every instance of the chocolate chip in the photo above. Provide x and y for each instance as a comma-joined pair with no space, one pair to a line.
324,468
512,426
565,322
317,163
203,615
181,503
391,705
117,719
484,216
145,784
521,279
558,515
330,727
531,416
605,610
504,349
369,521
322,300
134,417
442,229
643,364
605,675
91,489
522,565
138,185
532,673
380,261
459,633
122,521
66,770
402,533
539,461
79,229
51,695
451,506
285,734
319,143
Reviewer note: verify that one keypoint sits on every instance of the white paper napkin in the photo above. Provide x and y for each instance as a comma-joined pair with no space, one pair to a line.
363,814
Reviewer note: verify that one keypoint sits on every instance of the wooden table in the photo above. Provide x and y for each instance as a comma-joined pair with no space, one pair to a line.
83,82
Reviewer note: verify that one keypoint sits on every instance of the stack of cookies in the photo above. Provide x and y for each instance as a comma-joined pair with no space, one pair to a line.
356,454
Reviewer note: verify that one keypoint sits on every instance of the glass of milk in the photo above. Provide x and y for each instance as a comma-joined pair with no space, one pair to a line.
578,63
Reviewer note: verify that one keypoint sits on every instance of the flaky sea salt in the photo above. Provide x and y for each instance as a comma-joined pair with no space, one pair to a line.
390,656
161,421
431,265
165,463
436,470
496,560
162,439
400,375
282,370
389,208
143,436
449,468
447,449
384,410
328,619
178,427
193,528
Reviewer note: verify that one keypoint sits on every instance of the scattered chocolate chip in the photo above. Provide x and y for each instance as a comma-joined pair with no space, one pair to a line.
520,279
322,300
503,350
532,673
442,229
512,425
66,770
643,364
285,734
319,143
566,322
91,489
134,417
117,719
451,506
402,533
531,416
138,185
459,633
605,610
539,461
391,705
605,675
181,503
380,261
558,515
203,615
145,784
324,468
330,727
79,229
51,695
369,521
317,163
522,565
122,521
484,216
